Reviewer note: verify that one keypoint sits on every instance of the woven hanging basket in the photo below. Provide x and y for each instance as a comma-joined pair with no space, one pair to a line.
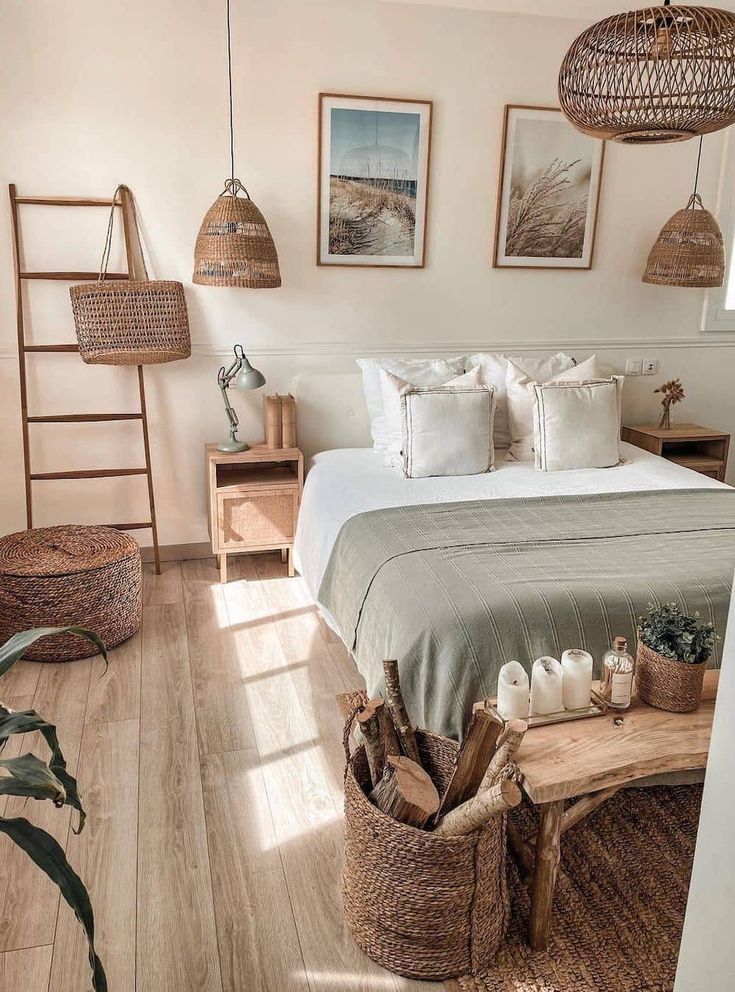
130,321
70,576
234,246
689,250
674,686
652,75
422,906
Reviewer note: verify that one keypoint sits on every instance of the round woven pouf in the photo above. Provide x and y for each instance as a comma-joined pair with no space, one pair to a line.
70,576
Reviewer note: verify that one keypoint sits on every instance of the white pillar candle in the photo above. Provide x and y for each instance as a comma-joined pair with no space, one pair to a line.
513,691
546,686
576,678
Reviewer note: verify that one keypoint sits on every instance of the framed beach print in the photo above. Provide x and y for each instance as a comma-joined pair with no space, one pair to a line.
373,180
549,192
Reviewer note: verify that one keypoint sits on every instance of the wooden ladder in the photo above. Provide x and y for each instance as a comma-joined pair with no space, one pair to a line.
133,256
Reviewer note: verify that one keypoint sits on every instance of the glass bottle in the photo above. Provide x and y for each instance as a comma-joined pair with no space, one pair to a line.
616,686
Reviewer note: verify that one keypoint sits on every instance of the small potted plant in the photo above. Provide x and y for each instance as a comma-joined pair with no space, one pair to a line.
673,649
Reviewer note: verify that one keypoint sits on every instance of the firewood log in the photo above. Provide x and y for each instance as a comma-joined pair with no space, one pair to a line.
397,707
406,792
472,760
477,811
368,720
507,745
388,735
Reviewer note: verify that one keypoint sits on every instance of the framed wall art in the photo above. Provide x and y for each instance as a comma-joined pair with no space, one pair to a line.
549,192
373,180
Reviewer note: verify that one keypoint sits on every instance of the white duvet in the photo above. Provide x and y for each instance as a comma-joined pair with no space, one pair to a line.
347,481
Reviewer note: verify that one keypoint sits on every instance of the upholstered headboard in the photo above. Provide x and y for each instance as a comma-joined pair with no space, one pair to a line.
331,412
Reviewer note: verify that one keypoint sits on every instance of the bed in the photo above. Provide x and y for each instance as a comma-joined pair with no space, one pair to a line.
455,576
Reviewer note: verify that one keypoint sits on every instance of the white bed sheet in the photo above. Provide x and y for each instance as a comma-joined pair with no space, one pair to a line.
347,481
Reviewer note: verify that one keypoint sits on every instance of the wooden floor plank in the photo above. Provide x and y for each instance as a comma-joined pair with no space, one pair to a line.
252,905
114,693
28,900
164,589
21,679
25,970
104,855
220,692
176,938
298,776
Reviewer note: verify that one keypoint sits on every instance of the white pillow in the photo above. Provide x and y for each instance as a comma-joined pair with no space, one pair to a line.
577,425
520,402
493,367
392,385
420,371
447,430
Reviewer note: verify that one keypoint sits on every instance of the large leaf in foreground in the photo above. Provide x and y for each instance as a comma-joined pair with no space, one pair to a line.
29,776
48,855
14,648
28,721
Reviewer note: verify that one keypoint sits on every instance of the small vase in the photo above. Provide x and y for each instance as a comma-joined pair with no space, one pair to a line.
674,686
664,423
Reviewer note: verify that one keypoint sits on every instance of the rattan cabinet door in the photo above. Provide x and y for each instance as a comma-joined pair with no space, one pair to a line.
257,519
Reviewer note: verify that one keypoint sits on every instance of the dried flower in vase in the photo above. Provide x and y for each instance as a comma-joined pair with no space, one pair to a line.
672,392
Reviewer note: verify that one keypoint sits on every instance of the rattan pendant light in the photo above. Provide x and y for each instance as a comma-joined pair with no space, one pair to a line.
234,246
689,250
652,75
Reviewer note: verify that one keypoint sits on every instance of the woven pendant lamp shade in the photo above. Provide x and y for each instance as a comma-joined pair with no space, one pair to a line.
652,75
234,246
688,251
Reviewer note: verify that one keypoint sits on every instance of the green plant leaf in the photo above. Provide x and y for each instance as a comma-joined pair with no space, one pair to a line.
29,776
14,648
28,721
44,851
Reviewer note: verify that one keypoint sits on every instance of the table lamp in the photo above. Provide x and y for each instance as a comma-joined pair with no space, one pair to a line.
240,375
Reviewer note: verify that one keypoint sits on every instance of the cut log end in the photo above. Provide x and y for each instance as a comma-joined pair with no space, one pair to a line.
406,792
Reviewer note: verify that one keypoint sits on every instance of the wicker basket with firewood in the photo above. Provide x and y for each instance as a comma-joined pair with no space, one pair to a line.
424,885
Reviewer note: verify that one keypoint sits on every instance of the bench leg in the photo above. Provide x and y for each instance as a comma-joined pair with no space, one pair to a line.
544,878
222,565
290,563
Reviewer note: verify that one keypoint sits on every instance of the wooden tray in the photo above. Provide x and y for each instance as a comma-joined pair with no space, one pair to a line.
597,707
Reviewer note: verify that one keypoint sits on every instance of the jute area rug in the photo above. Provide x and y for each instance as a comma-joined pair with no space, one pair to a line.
619,906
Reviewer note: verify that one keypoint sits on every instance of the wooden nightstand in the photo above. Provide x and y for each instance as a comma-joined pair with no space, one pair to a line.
690,445
254,499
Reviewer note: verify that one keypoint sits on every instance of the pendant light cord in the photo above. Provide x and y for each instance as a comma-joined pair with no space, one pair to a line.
229,77
699,159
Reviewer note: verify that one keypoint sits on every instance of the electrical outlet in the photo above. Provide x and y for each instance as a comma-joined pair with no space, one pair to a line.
650,366
634,366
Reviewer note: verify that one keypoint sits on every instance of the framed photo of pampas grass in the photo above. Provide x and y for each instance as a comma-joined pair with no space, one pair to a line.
549,192
373,180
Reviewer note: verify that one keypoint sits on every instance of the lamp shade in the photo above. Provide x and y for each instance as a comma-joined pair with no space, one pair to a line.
248,377
234,246
652,75
688,251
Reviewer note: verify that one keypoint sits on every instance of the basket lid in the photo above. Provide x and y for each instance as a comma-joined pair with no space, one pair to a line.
63,550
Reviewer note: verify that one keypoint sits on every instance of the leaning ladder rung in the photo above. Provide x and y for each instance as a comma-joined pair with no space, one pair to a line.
51,348
89,473
74,276
67,201
84,418
143,526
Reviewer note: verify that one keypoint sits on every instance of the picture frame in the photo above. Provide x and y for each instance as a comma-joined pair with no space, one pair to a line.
373,181
555,173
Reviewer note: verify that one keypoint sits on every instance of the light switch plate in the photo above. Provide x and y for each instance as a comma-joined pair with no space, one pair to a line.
634,366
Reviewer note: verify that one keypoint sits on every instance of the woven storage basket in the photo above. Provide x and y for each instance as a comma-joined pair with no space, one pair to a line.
419,905
70,576
130,321
688,251
669,685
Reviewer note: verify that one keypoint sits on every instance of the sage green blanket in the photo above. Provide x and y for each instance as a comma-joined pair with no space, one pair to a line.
455,590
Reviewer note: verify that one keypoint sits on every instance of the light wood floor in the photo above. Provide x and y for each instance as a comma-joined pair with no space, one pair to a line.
210,761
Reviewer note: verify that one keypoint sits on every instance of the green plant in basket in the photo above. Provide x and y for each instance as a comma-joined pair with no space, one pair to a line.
33,778
677,635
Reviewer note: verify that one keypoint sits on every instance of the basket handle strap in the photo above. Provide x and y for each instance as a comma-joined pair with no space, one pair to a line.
105,260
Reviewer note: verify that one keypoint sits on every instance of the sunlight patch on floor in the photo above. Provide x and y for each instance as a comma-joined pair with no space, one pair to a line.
345,981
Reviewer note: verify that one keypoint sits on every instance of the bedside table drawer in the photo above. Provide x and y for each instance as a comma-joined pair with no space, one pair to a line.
258,519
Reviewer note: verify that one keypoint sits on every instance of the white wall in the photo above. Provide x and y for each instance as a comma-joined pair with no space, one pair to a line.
96,94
